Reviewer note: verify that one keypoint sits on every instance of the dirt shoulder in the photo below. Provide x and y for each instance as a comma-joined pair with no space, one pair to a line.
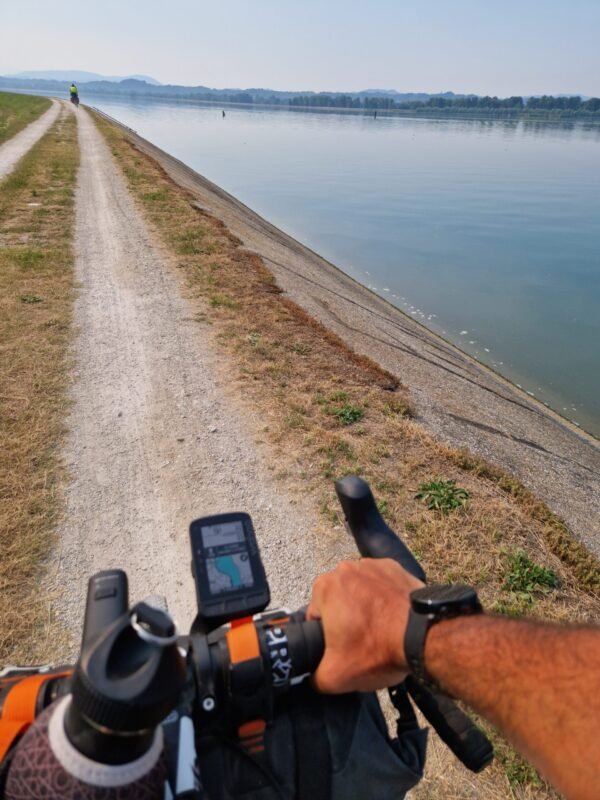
456,398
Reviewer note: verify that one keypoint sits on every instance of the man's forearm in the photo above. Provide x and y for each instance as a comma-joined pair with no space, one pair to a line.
539,684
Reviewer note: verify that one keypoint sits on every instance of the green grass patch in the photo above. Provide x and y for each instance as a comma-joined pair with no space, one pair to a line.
348,414
440,495
338,396
524,577
513,606
222,301
519,773
583,564
301,349
28,257
397,408
17,111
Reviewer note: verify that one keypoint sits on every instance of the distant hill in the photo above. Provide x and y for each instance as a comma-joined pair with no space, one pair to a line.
54,81
445,103
80,76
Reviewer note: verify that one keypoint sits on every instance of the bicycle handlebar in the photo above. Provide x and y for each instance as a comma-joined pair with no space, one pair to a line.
132,668
375,539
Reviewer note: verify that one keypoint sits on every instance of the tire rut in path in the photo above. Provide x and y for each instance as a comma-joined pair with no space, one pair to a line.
154,440
13,150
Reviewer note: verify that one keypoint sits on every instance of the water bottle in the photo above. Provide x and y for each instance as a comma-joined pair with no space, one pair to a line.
104,739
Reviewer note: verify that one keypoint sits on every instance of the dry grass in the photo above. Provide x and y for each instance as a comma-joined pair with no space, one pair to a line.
305,384
36,259
17,111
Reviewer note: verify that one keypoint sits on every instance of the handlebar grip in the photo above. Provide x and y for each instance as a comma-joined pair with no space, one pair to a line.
455,728
374,539
306,644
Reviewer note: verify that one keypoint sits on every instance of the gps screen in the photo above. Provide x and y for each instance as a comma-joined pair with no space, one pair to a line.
227,562
224,534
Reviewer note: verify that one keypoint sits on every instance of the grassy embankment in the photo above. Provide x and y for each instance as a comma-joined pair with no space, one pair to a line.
328,411
17,111
36,280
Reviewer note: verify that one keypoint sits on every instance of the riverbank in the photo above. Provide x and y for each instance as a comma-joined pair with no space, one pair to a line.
455,397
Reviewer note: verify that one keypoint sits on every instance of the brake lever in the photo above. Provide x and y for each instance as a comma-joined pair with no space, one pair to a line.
375,539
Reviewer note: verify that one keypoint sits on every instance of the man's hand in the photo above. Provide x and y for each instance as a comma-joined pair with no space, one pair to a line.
539,684
363,606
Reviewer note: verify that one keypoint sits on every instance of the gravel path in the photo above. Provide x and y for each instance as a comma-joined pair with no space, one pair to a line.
14,149
155,437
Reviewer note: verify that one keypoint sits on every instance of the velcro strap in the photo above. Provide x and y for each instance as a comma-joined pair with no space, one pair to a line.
243,643
313,756
19,708
252,736
9,733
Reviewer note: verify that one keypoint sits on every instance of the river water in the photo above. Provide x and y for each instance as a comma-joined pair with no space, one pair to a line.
488,232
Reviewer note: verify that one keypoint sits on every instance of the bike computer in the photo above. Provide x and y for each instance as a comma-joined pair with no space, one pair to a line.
228,572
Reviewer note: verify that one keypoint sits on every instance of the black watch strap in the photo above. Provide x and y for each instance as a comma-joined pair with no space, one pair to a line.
414,646
430,605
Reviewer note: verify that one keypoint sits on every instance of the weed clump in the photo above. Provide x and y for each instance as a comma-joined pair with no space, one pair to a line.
444,496
523,576
348,414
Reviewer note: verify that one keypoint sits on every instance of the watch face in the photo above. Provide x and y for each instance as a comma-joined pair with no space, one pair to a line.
445,600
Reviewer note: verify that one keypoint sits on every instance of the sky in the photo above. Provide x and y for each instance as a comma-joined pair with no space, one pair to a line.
497,47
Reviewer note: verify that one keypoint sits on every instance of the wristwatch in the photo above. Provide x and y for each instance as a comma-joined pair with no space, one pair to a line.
430,605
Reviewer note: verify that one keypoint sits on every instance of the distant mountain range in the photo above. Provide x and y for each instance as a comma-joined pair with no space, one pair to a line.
55,80
80,76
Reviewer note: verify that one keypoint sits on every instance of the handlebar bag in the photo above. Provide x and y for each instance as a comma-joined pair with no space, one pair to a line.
319,747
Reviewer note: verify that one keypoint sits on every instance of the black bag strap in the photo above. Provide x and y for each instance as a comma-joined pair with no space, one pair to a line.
313,756
407,719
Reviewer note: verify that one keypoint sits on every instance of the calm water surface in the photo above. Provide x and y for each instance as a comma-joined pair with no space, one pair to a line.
487,232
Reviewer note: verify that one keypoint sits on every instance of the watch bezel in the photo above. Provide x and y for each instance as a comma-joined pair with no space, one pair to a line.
445,600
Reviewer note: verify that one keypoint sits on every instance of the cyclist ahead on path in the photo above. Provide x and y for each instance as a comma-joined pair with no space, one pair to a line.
74,93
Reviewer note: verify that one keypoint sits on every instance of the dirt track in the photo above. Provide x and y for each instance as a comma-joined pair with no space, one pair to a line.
456,398
154,437
14,149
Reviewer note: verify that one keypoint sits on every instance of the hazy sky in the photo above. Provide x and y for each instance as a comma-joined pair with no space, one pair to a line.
498,47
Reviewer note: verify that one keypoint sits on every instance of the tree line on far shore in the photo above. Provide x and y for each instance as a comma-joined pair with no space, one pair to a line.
467,103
